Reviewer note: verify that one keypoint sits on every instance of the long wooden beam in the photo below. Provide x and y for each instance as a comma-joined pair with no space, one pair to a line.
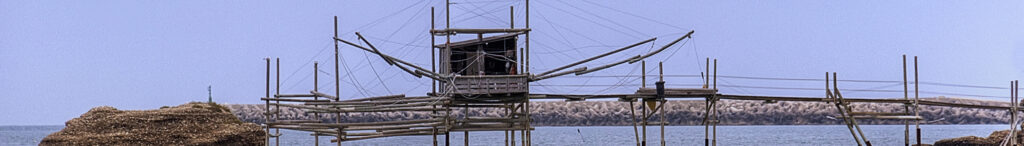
429,73
449,31
663,47
596,57
775,98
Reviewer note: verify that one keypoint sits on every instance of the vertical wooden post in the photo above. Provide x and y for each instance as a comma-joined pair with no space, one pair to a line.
661,72
277,114
337,79
522,133
522,69
714,108
433,68
511,17
906,96
661,78
527,41
433,61
917,109
266,117
447,46
707,100
528,137
465,116
643,121
529,127
508,115
643,74
511,25
707,71
1013,113
316,116
512,135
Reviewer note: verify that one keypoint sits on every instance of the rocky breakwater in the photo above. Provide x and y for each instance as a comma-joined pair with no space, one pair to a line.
188,124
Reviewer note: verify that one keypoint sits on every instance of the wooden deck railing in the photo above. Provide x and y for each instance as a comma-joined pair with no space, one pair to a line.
491,84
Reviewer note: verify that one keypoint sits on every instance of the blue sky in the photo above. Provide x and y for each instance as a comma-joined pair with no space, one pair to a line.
60,58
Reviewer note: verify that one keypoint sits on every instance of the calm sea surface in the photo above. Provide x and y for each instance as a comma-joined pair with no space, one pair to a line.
797,135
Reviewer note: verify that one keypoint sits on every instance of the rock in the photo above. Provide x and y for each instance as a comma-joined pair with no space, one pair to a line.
188,124
993,139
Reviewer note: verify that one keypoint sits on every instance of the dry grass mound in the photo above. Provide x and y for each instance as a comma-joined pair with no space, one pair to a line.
188,124
993,139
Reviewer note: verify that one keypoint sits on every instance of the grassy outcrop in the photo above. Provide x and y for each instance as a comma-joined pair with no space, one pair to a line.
193,123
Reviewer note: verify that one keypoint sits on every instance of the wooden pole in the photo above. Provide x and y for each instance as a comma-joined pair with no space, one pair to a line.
527,53
643,121
714,109
316,135
337,79
277,114
643,74
632,114
643,103
507,115
529,138
906,96
661,78
511,25
842,111
835,86
433,68
661,72
527,41
266,116
465,116
1013,113
917,109
447,46
707,101
522,133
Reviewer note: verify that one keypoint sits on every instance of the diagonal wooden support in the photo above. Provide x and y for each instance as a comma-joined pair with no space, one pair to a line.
636,58
846,109
418,70
595,57
632,115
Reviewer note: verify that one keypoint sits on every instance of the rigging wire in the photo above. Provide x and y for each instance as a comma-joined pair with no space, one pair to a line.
603,18
635,15
591,21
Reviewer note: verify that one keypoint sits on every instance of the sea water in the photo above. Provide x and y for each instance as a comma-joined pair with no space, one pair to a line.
790,135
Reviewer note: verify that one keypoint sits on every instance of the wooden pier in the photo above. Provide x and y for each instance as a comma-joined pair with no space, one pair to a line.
493,72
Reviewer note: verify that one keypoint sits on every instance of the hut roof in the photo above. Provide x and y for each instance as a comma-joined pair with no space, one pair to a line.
472,42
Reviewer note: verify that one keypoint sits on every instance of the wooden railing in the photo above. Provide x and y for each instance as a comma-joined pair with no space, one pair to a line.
491,84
